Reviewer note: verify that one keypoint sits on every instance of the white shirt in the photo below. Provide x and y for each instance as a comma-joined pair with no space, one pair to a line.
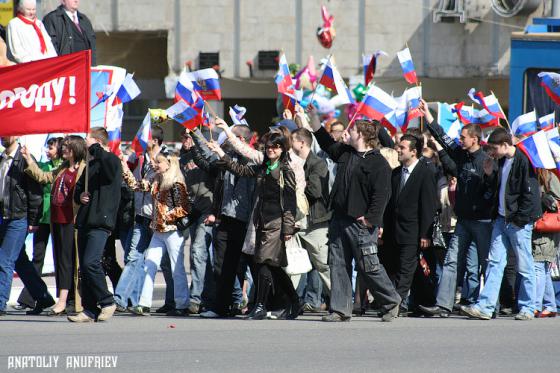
406,174
71,15
6,161
502,196
23,42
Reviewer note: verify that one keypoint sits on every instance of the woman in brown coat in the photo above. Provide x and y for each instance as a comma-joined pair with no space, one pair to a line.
273,216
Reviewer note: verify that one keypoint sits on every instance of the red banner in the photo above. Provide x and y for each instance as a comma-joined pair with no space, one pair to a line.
46,96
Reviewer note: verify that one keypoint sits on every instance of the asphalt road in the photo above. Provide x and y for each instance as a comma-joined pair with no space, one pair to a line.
191,344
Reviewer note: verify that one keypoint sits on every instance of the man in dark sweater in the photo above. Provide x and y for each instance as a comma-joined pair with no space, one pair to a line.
98,199
359,196
474,217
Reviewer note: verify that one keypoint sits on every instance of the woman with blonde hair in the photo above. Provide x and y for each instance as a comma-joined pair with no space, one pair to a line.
169,193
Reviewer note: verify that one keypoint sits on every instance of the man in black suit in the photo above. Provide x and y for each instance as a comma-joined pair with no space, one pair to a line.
409,214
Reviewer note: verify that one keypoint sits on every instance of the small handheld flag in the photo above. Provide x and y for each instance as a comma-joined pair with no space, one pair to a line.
144,134
127,92
407,65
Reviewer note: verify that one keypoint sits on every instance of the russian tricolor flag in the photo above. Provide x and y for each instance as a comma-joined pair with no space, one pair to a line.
546,122
144,134
448,120
413,97
186,115
536,147
114,141
332,79
407,65
237,113
490,102
283,78
207,83
127,92
185,90
370,65
554,143
397,118
551,83
376,103
525,124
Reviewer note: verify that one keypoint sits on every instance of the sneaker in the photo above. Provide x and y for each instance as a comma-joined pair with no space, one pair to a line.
81,317
392,314
139,310
120,309
107,312
474,313
176,312
524,316
335,317
194,309
210,315
309,308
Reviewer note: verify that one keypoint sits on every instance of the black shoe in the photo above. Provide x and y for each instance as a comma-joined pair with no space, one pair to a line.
175,312
165,308
40,306
3,313
403,312
258,313
291,312
22,307
434,311
335,317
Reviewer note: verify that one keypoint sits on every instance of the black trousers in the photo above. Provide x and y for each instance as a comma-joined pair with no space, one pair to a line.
350,240
274,279
40,241
64,255
91,244
228,242
110,264
31,279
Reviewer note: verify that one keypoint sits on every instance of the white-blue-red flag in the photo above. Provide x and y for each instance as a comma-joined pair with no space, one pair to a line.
185,114
546,122
332,79
536,147
237,114
370,65
490,102
206,83
283,77
525,124
376,104
127,92
114,143
407,65
144,134
553,138
551,83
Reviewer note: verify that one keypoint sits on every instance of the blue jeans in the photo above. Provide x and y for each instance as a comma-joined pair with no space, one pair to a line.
201,262
508,236
313,289
132,278
545,298
461,249
12,238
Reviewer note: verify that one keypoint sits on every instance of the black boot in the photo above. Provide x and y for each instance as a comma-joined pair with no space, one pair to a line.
258,313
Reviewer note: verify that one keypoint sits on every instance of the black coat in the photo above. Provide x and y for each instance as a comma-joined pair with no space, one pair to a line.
105,180
369,186
58,25
317,188
410,212
26,195
523,200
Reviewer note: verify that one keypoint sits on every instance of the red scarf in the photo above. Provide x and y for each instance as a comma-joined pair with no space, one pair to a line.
37,30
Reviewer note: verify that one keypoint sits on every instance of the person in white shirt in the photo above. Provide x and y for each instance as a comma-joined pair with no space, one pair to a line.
27,37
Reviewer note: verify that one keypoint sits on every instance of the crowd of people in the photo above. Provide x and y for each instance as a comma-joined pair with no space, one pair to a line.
413,224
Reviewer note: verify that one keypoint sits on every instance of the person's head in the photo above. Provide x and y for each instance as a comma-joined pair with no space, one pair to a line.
70,5
97,135
500,143
9,141
410,148
363,135
28,9
243,133
337,129
302,140
470,137
168,171
425,136
54,148
74,148
276,146
157,136
186,140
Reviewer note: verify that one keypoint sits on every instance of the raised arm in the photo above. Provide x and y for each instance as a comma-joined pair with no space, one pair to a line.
239,146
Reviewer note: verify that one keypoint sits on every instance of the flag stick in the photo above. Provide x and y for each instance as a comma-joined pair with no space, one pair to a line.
504,114
318,82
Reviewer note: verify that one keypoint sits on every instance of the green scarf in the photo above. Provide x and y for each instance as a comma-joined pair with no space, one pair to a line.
270,168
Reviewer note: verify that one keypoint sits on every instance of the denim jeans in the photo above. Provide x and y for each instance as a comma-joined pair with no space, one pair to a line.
461,250
545,299
508,236
313,289
132,277
202,285
172,243
12,238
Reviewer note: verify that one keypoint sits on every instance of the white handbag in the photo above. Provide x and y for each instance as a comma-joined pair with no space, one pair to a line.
298,258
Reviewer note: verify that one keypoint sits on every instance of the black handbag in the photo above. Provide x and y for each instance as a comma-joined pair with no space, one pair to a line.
437,234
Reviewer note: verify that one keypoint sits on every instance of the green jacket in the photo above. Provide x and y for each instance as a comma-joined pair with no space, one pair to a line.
47,166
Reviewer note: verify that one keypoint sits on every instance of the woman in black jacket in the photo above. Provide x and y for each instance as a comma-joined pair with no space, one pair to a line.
273,216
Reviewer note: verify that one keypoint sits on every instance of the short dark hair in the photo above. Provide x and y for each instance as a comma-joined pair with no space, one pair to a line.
277,139
56,141
157,133
100,134
337,123
473,130
369,131
304,135
499,136
416,143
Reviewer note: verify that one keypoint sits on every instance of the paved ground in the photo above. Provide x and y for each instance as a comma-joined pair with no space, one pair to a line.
191,344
